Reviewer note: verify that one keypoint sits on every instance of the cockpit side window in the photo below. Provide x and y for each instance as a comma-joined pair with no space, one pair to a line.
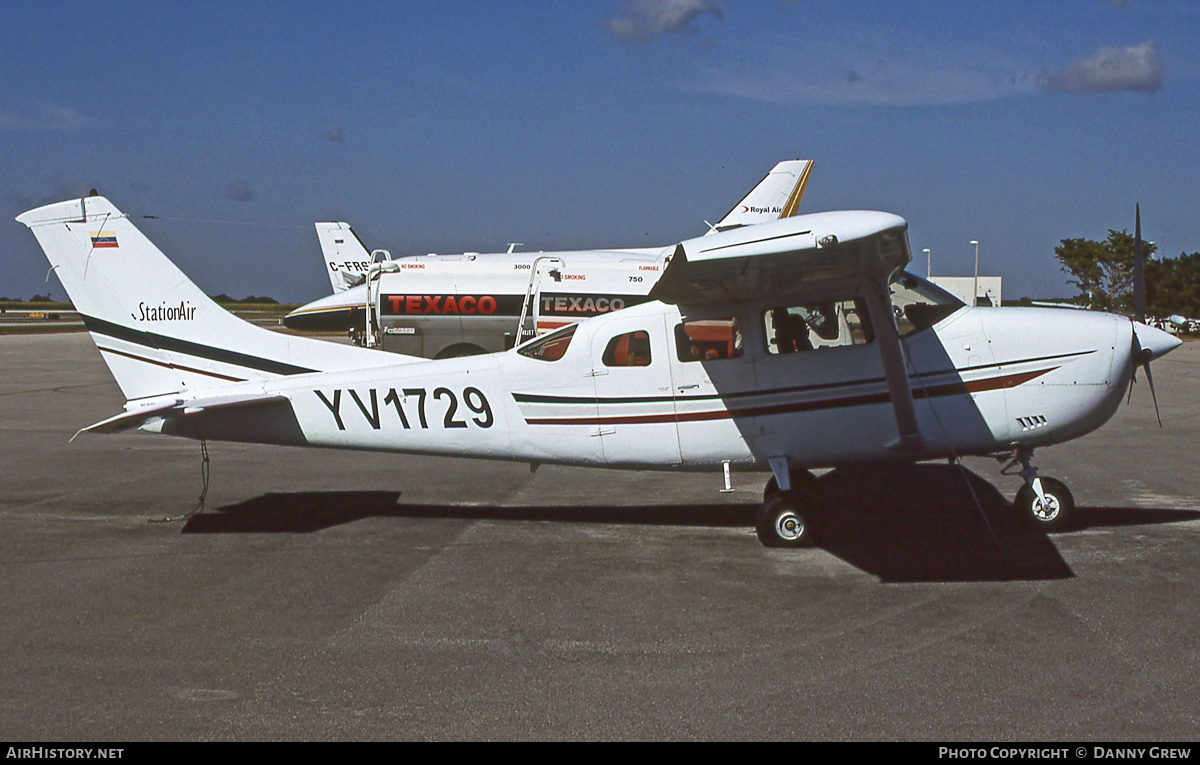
708,339
631,349
792,329
551,347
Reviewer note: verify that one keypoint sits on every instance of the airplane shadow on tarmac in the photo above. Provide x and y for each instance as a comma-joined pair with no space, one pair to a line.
904,523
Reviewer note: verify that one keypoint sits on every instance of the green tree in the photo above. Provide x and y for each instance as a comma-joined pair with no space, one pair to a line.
1103,271
1173,286
1081,259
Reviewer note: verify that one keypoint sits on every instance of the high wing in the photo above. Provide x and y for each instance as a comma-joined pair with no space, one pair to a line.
830,251
819,254
776,196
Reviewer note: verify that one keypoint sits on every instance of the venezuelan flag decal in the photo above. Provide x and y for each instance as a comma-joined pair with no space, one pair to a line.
103,238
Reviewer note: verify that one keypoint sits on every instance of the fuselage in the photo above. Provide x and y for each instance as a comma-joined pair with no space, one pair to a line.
658,386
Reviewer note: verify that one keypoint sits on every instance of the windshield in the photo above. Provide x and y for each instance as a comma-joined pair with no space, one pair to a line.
919,304
551,347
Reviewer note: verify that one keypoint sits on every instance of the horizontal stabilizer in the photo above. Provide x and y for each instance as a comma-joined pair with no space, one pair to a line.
129,420
176,408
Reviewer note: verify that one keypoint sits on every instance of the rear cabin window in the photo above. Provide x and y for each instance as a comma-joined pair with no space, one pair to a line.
631,349
551,347
708,339
831,324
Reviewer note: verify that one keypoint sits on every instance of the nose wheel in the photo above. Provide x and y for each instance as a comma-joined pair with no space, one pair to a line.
1053,511
1043,503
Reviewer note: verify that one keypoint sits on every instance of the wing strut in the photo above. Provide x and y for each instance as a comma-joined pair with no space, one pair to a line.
895,370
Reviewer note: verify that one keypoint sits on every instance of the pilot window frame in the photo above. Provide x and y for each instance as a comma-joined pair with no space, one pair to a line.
729,342
534,348
615,357
859,333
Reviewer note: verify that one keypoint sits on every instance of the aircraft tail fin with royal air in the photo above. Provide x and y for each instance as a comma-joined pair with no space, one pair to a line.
157,331
776,196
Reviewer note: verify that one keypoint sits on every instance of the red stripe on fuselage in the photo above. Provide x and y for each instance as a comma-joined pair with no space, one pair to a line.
766,410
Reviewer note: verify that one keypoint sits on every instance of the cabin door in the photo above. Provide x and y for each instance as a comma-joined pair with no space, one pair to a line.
632,373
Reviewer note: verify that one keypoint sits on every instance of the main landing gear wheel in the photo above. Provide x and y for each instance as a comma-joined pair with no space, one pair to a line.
788,519
1055,514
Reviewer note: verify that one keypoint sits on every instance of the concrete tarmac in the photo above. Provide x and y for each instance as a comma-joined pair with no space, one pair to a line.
326,595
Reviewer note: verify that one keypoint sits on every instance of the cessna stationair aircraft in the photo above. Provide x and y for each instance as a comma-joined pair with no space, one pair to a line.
795,344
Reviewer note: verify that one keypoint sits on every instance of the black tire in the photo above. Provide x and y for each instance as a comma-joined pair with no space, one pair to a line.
802,480
1059,513
788,519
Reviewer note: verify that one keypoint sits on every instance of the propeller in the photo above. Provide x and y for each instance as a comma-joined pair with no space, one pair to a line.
1151,343
1150,381
1141,357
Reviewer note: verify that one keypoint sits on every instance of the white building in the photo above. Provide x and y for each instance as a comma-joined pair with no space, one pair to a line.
960,287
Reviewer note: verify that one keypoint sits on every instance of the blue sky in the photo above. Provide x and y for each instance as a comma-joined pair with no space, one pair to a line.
450,126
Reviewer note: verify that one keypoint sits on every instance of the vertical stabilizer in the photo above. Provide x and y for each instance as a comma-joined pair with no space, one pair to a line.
344,254
776,196
157,331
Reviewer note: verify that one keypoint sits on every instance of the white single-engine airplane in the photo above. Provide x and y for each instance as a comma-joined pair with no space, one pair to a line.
795,344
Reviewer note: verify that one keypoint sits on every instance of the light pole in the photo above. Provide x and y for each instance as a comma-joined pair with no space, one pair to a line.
928,263
975,289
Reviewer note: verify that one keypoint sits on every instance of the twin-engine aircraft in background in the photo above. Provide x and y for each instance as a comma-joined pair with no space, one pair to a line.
439,306
794,344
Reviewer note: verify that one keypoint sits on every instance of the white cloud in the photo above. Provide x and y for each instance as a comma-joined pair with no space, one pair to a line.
1137,68
647,19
